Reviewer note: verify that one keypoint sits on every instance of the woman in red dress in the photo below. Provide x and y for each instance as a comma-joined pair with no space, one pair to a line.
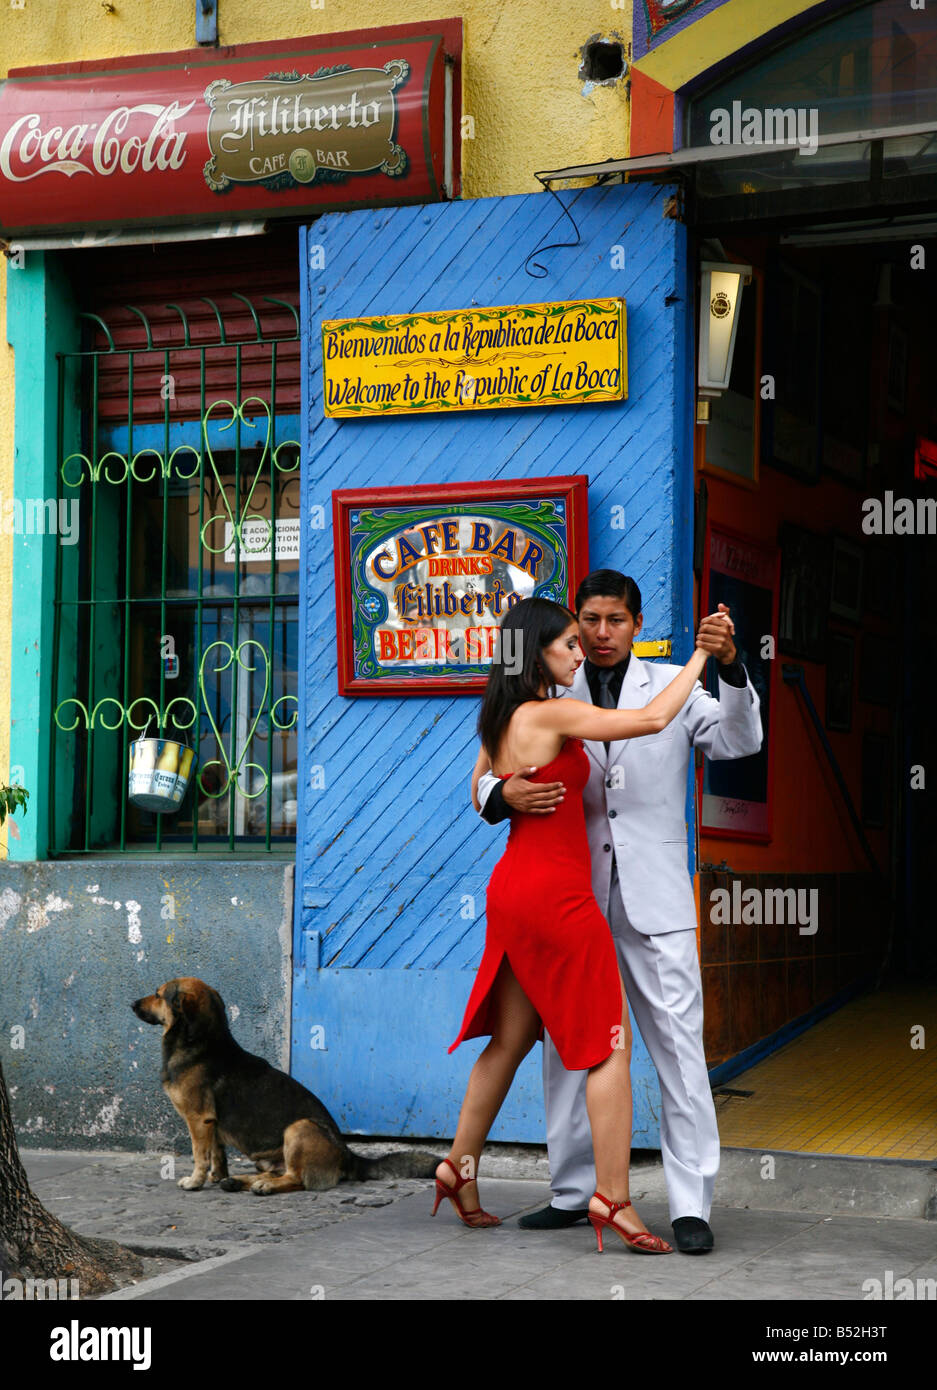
549,960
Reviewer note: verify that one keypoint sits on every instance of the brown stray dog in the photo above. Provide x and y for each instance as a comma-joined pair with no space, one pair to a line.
229,1096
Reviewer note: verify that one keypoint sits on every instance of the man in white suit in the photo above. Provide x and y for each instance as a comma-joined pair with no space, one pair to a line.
635,818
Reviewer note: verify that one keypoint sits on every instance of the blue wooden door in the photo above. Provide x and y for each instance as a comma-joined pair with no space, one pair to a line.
392,862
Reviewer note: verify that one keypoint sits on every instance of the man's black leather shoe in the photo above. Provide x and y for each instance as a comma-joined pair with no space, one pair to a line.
551,1218
692,1235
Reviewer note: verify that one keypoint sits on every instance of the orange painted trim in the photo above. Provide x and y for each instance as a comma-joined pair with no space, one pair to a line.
696,895
652,114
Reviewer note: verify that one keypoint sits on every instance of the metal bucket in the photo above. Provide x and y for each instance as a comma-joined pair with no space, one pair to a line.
160,771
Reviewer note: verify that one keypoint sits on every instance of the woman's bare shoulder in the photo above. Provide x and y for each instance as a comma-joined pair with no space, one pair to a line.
530,738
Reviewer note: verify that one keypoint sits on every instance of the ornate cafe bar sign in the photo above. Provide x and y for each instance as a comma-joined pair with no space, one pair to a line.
257,131
470,359
424,575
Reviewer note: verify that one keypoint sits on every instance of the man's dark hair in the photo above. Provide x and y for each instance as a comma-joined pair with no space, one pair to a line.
609,584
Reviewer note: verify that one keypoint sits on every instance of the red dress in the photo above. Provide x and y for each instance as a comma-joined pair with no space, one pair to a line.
542,915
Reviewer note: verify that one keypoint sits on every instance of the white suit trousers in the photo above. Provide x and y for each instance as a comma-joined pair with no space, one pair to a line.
662,981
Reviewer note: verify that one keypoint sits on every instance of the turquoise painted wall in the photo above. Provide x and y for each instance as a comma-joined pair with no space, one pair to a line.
41,321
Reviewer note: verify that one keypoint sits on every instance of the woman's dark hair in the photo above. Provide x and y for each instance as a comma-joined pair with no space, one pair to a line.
517,671
609,584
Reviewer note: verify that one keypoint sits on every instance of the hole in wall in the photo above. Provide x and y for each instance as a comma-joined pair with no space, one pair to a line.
603,60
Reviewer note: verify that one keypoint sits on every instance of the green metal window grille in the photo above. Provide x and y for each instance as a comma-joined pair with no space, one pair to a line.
177,593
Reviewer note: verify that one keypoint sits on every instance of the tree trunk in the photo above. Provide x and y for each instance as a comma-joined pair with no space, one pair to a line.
34,1244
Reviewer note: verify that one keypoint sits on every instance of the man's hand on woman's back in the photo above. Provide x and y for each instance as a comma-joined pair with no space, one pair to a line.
533,798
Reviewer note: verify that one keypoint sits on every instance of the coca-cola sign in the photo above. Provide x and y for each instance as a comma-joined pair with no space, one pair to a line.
328,122
151,142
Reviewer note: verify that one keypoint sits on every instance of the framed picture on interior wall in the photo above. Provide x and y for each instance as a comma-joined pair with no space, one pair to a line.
874,779
736,795
791,428
840,670
846,583
897,384
805,592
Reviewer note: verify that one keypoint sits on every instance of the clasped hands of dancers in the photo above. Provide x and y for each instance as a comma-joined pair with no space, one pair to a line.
549,960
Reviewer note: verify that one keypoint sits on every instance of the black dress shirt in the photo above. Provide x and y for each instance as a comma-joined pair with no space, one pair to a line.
496,808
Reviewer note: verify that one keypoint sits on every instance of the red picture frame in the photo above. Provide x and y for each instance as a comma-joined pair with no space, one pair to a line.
361,609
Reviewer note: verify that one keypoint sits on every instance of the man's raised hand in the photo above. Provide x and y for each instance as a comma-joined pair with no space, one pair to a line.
534,798
715,635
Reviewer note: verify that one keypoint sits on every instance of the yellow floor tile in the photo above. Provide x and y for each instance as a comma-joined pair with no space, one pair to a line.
850,1085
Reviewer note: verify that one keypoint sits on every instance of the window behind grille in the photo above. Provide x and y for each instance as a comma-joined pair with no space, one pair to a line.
174,605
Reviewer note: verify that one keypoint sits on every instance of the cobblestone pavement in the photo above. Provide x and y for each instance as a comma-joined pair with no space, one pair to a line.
377,1241
134,1199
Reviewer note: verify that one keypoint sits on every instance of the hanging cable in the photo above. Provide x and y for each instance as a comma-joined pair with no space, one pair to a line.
540,271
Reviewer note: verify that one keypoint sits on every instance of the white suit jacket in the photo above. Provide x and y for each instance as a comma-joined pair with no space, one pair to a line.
635,798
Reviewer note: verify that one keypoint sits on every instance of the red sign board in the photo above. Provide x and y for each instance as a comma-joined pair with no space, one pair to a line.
318,123
925,458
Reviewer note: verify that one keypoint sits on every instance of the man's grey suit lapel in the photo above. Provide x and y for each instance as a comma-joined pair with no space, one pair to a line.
579,690
634,695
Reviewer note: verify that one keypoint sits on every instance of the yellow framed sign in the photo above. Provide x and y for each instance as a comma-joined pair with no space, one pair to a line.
567,353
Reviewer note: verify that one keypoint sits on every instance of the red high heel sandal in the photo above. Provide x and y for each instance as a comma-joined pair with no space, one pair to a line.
643,1240
475,1217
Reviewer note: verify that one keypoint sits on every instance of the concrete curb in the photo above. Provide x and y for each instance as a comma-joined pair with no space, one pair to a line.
827,1183
794,1182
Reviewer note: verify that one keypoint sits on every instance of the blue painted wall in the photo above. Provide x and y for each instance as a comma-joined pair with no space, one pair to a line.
388,844
81,939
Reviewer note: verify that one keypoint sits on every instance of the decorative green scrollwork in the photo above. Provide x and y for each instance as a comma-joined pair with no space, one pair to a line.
126,715
140,713
94,470
162,467
147,466
69,728
233,772
92,721
179,700
273,716
115,467
286,467
243,514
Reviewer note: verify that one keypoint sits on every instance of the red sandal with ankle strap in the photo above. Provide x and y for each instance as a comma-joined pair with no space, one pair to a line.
474,1218
642,1240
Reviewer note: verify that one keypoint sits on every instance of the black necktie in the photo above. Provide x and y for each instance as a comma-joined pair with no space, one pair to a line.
605,695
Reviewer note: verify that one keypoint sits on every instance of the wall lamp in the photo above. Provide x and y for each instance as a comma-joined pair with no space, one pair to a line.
720,299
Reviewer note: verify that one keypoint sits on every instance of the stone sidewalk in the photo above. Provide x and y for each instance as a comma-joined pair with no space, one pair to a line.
377,1241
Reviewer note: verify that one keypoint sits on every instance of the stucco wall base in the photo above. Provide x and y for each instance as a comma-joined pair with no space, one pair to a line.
80,940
